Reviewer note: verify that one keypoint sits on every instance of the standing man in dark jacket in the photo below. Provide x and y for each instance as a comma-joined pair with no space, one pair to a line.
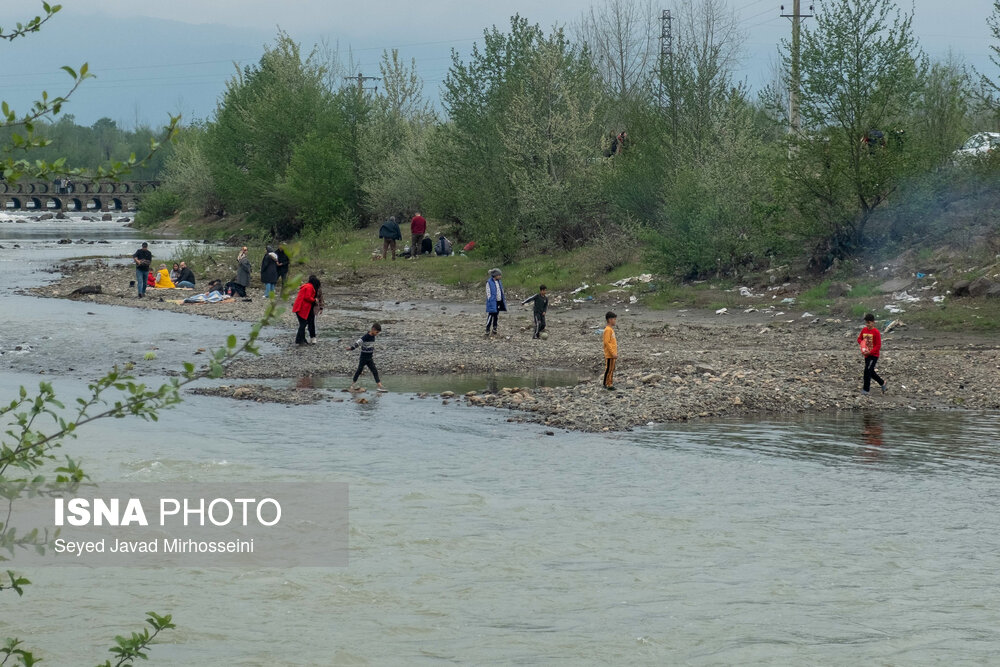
142,259
283,263
418,227
389,233
269,271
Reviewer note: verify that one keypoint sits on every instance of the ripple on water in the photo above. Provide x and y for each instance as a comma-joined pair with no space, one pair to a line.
965,443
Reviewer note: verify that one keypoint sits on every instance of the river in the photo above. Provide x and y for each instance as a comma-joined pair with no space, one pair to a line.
867,539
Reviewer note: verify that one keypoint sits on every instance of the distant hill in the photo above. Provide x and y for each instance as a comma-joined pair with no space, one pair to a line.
146,68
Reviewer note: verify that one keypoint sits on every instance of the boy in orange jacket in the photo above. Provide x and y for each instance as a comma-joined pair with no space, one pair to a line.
610,350
870,340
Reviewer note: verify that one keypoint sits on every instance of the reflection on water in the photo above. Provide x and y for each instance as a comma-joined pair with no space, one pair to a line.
454,382
850,540
967,442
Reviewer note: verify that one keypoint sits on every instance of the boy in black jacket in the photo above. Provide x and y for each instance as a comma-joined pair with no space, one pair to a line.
367,345
541,305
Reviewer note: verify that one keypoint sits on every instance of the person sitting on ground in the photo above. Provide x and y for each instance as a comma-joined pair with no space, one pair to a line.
426,246
175,273
389,233
163,280
215,286
443,246
151,279
185,277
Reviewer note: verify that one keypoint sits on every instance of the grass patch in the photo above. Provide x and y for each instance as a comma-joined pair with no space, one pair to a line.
978,315
816,299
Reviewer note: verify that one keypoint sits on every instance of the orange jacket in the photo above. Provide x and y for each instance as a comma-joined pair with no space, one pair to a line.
610,343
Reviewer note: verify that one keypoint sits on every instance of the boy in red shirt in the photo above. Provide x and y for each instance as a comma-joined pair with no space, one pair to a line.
870,341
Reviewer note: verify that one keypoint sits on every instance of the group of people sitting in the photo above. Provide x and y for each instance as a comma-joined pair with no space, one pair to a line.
181,276
420,241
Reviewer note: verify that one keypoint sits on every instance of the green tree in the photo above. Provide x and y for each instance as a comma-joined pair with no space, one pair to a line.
318,183
940,117
392,174
992,85
511,165
861,71
266,111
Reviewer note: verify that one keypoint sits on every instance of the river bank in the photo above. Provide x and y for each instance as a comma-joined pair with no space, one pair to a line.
674,365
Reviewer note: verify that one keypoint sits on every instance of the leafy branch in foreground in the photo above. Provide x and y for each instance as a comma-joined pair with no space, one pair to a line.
127,649
32,25
27,447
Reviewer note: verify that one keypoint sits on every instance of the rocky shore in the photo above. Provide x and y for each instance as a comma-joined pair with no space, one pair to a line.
674,365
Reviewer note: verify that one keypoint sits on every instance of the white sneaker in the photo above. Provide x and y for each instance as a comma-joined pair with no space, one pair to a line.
312,341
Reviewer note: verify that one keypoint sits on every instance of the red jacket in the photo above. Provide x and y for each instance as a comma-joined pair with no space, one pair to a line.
418,225
304,300
872,340
151,280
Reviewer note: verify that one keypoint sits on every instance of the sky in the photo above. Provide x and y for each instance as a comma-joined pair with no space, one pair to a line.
157,58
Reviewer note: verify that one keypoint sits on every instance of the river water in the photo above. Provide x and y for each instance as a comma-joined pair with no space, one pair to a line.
864,539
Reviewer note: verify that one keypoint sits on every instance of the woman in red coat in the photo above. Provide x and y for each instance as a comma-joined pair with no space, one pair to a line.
307,302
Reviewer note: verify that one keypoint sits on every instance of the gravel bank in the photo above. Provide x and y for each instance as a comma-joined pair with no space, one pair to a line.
674,365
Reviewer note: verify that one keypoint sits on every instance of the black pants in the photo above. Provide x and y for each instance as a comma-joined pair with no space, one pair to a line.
369,361
539,324
491,321
870,373
304,322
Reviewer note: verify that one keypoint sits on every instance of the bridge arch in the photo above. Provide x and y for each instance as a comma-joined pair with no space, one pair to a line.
94,204
33,203
53,202
74,205
13,202
115,203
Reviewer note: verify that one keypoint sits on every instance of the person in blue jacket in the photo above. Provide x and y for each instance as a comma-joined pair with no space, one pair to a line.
494,301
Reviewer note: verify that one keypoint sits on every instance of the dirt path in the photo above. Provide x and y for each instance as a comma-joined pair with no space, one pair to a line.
674,365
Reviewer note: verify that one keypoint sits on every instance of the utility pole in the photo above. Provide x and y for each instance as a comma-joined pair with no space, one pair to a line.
360,78
666,52
795,122
667,70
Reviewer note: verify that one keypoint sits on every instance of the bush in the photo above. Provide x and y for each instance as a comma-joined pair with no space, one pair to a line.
156,207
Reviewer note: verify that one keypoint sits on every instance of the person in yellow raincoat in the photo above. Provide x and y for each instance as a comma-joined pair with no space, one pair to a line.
163,280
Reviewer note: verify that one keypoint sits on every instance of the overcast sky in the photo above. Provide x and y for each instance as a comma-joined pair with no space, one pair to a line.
158,57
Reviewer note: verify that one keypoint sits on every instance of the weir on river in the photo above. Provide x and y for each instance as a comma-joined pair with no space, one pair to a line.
79,196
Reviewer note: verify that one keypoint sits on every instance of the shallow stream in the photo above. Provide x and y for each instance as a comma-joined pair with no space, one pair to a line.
868,539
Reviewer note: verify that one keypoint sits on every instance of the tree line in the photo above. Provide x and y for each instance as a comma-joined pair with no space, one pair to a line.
551,139
81,146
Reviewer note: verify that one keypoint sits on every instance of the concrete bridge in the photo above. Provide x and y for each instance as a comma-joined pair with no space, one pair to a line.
74,196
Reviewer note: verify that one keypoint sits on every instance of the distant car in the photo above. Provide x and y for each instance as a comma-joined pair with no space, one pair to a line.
979,145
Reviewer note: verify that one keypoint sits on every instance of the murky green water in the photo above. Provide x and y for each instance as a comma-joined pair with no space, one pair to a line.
867,539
